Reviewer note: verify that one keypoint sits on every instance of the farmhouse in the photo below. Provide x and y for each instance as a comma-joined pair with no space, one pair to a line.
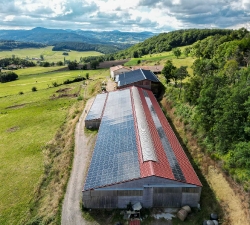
116,70
154,69
137,157
93,118
140,78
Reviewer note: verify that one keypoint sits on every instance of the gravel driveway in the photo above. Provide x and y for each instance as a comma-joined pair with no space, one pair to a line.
71,212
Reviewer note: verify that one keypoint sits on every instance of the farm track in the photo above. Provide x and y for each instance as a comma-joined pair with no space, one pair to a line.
71,211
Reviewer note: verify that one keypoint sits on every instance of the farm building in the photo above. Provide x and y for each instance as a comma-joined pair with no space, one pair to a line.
93,118
141,78
137,157
154,69
116,70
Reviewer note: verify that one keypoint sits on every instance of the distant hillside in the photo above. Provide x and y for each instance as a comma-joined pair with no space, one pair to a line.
80,46
10,44
49,36
163,42
167,41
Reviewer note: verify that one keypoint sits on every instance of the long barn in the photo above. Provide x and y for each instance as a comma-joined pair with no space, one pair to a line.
137,157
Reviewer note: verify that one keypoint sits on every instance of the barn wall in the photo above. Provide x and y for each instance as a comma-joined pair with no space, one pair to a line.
151,192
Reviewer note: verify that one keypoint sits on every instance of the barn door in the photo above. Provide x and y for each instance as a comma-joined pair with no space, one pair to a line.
167,197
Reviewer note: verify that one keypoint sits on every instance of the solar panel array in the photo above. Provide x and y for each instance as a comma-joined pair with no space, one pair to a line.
115,157
97,107
173,162
135,76
147,146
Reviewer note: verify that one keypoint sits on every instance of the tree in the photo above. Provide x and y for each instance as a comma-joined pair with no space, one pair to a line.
52,64
72,65
45,64
41,57
169,71
84,66
94,64
138,61
231,68
193,89
87,76
7,77
60,63
177,52
181,73
186,51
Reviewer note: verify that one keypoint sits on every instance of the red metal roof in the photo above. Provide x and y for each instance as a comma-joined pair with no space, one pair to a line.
162,168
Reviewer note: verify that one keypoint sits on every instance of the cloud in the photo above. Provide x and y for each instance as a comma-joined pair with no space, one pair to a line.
129,15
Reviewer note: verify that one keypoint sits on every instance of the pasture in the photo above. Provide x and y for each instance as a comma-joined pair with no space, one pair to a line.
48,54
28,123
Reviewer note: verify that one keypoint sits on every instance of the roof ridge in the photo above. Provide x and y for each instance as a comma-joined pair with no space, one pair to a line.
143,73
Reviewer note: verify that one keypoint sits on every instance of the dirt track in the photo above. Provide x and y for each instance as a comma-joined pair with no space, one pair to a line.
71,212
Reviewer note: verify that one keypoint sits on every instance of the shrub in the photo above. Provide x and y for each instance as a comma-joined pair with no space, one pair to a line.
60,63
20,93
87,76
55,84
6,77
34,89
138,61
80,98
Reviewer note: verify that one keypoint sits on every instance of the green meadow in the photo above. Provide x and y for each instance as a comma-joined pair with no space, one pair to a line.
48,54
28,123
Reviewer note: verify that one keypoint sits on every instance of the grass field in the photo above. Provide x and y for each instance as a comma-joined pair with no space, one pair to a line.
161,58
48,54
40,81
28,123
36,70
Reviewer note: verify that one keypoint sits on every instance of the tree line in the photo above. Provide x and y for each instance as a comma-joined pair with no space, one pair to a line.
81,46
16,61
216,100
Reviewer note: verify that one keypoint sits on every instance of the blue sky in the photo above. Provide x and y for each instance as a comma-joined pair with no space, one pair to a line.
124,15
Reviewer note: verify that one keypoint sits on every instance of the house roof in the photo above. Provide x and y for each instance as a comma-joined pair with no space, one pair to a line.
114,68
135,76
136,141
155,69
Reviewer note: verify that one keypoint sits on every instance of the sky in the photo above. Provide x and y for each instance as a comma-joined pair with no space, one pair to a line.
124,15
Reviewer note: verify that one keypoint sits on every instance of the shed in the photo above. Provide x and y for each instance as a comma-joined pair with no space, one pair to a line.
93,118
137,157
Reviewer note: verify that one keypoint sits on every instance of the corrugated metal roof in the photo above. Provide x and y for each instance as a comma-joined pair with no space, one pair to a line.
161,155
97,107
135,76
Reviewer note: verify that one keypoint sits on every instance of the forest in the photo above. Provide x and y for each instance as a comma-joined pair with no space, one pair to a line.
81,46
162,42
6,45
216,100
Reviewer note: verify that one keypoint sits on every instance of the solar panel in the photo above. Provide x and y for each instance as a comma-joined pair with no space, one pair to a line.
150,75
147,146
173,162
115,157
97,107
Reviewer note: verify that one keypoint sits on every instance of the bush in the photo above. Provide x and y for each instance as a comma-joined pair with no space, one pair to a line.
138,61
60,63
34,89
20,93
87,76
80,98
55,84
7,77
65,53
45,64
72,66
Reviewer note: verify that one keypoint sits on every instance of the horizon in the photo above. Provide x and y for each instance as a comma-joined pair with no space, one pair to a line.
155,16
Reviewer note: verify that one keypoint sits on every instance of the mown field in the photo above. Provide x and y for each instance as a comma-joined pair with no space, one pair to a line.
48,54
28,124
161,58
